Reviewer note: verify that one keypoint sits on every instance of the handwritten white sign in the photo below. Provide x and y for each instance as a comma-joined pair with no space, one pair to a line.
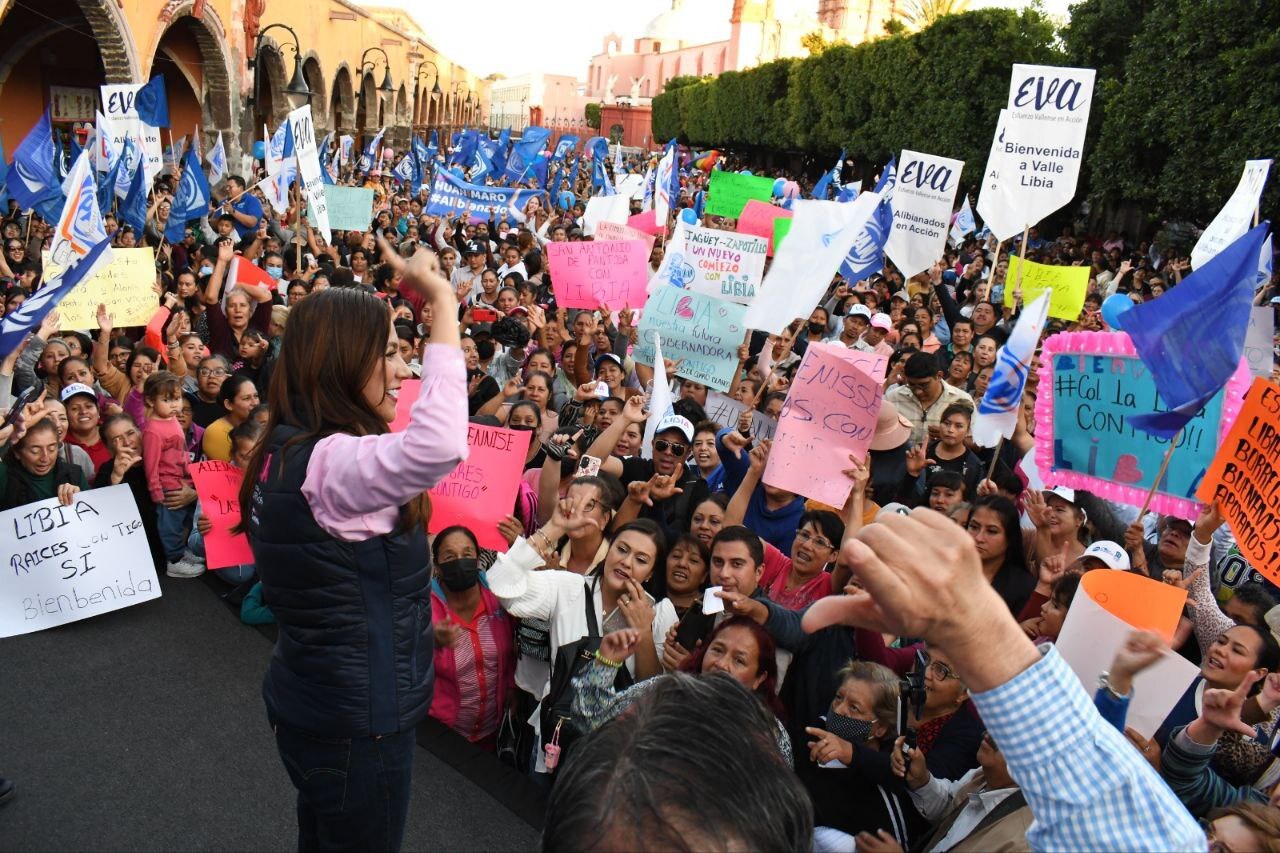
66,563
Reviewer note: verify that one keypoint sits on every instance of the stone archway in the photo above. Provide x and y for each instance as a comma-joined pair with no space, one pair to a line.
320,112
271,104
208,71
342,103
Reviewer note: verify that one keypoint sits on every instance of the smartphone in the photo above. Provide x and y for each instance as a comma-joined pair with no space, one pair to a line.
484,315
694,626
25,399
310,259
588,466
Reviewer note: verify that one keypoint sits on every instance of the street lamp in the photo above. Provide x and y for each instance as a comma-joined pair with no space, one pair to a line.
387,86
435,86
297,83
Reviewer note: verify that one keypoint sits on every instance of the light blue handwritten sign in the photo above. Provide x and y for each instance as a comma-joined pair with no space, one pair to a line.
350,208
703,331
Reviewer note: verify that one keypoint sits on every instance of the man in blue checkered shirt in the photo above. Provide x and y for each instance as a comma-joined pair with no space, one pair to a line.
1087,787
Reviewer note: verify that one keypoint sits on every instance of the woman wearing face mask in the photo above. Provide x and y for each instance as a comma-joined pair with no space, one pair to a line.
738,648
857,731
475,650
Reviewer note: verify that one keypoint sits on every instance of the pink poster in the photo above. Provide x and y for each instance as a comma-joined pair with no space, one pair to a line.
218,484
830,414
873,364
757,218
612,272
482,490
646,222
606,230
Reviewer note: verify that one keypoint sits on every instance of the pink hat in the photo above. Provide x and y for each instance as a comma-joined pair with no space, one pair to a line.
881,321
892,429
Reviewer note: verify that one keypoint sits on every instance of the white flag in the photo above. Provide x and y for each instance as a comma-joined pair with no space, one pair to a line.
1048,113
1236,216
217,160
106,148
276,189
822,232
80,226
997,413
922,203
963,223
662,200
660,401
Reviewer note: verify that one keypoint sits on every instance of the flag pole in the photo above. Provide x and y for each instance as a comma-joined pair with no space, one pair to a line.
297,225
1164,466
173,154
1022,265
995,262
995,457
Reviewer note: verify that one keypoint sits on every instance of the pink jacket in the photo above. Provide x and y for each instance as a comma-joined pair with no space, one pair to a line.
447,699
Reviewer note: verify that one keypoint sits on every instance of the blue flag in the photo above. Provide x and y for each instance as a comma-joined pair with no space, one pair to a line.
465,153
888,180
481,166
403,170
500,152
191,201
422,159
1188,365
433,147
107,186
134,209
27,317
539,169
866,256
152,104
525,151
4,182
563,148
573,175
822,189
34,178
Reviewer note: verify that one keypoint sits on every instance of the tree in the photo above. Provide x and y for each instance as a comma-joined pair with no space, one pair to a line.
591,112
816,43
918,14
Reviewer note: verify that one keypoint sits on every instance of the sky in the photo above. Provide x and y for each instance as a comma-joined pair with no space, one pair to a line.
575,32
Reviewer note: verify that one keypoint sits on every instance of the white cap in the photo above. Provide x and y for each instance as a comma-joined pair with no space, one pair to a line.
1068,495
77,388
882,321
675,422
1111,554
860,310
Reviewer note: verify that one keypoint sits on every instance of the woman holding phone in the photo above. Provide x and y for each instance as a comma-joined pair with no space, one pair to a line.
333,505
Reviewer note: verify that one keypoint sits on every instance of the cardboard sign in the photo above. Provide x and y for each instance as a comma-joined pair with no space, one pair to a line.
729,192
1243,478
482,490
873,364
781,228
587,273
646,222
725,411
758,218
1091,384
607,230
714,263
1107,606
350,208
1068,286
604,208
830,414
703,331
218,484
125,285
66,563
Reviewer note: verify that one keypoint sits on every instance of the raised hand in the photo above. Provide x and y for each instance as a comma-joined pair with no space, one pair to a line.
105,323
736,442
634,410
1037,509
1221,708
619,645
510,528
759,457
917,460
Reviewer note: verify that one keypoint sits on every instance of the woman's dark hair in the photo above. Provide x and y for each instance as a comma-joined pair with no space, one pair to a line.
958,409
767,653
949,480
86,342
137,353
112,421
337,340
39,426
1268,654
611,491
706,426
546,377
827,522
770,397
1064,589
71,359
650,528
230,388
449,531
1015,554
526,404
250,430
162,383
720,499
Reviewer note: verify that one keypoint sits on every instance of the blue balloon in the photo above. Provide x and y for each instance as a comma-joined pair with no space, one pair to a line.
259,150
689,216
566,200
1113,307
777,187
744,172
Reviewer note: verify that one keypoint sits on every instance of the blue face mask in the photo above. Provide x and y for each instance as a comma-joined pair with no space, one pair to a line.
206,271
275,272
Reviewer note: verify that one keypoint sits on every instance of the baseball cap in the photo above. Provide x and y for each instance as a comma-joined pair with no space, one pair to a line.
1111,554
1067,494
675,422
474,248
860,311
614,357
77,388
881,321
901,294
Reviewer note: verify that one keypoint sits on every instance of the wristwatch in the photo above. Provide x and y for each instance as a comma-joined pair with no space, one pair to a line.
1104,683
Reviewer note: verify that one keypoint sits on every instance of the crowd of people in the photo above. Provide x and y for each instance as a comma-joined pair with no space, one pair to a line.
657,596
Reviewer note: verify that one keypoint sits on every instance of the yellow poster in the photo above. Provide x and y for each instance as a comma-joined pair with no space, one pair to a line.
126,286
1068,285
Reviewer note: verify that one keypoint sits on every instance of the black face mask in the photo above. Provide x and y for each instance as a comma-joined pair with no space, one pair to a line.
817,328
523,428
459,575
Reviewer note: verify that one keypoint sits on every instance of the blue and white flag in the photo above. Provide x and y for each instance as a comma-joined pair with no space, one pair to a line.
888,180
4,180
27,317
191,201
276,190
465,153
481,167
403,171
79,228
866,256
564,146
105,152
501,151
423,161
618,167
1187,365
131,157
345,146
372,152
1265,260
822,189
33,180
524,152
133,210
964,222
151,103
997,413
849,192
452,196
217,160
107,187
666,187
646,203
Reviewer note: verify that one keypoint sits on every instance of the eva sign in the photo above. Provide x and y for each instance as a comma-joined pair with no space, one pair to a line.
993,201
1048,113
1236,216
304,148
117,105
922,204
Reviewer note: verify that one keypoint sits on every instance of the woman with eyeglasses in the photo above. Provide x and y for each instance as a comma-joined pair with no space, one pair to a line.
212,371
15,257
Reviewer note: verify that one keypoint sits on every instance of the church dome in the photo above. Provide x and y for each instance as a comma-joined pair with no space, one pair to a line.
689,23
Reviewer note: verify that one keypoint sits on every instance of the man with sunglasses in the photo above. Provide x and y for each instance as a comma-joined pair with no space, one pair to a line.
666,489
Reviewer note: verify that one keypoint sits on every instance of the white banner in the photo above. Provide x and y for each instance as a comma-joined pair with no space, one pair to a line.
1236,216
722,264
117,105
994,203
922,204
605,208
1048,114
304,148
822,232
66,563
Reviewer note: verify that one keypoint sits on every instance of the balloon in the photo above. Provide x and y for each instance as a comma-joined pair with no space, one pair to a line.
791,190
566,200
745,172
689,216
777,187
259,150
1115,305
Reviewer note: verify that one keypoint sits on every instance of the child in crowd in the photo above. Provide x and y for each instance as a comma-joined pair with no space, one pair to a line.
164,457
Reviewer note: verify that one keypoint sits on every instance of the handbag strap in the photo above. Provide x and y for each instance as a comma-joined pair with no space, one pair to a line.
593,625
